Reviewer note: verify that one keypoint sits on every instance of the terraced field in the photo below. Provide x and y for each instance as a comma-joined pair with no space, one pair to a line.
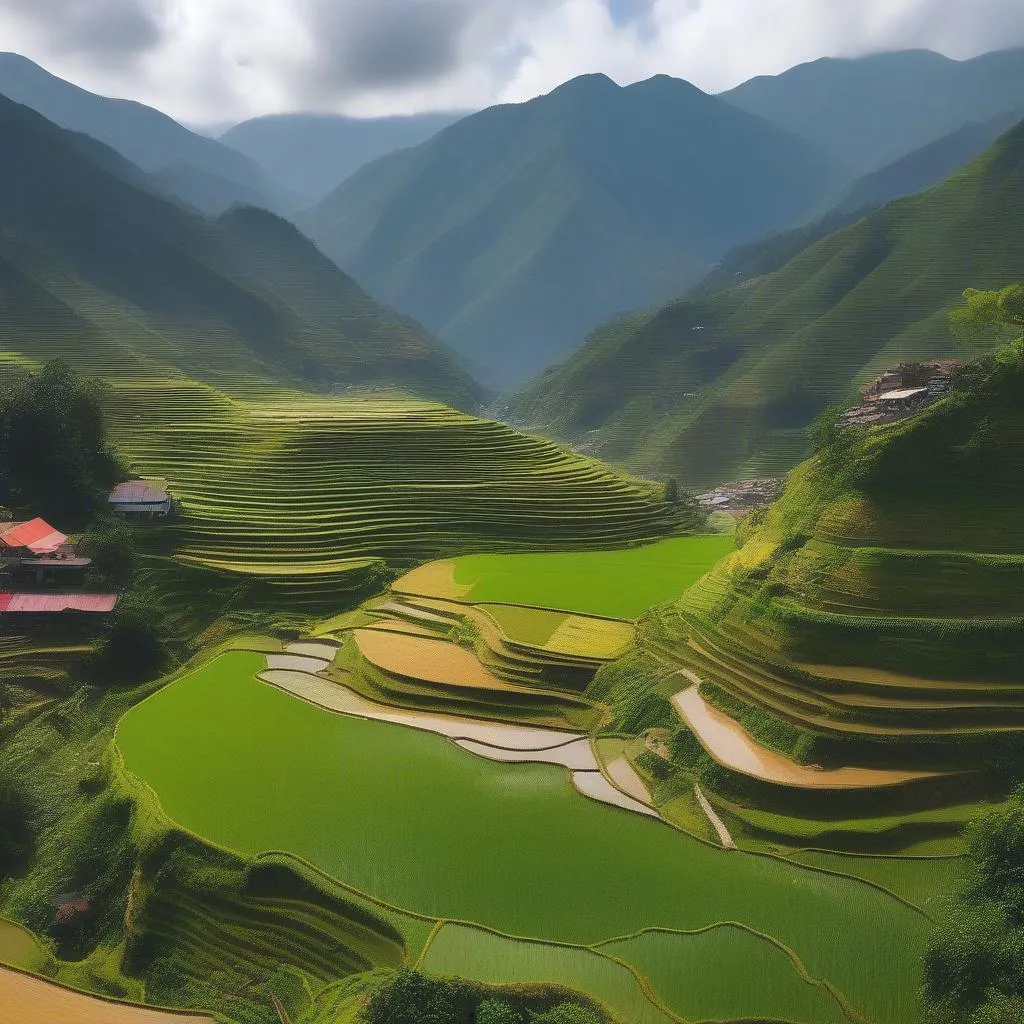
308,497
506,829
873,620
620,584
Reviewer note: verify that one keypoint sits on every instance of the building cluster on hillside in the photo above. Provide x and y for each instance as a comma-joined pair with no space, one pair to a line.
740,497
41,575
901,392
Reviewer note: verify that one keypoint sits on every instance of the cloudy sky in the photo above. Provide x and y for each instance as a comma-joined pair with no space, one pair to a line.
217,61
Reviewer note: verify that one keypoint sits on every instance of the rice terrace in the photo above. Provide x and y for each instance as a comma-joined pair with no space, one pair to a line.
478,547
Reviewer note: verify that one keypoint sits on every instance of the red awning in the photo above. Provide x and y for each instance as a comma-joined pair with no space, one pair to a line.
57,602
37,535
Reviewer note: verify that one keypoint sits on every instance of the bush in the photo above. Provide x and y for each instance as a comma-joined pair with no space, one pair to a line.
134,647
974,969
494,1011
111,546
566,1013
16,834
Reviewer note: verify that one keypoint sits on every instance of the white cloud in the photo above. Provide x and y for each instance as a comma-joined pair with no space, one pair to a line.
213,60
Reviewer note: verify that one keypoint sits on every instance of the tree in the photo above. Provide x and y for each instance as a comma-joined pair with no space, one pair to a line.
16,838
974,969
671,491
54,455
112,548
567,1013
134,648
494,1011
989,316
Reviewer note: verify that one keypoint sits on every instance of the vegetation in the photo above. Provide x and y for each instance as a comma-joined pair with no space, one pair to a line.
974,970
15,823
55,459
236,728
616,583
133,287
722,386
570,208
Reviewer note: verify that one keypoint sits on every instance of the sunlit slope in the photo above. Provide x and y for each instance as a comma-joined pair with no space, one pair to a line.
97,268
723,386
301,491
876,616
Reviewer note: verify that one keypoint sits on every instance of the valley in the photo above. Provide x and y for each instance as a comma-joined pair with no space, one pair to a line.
633,637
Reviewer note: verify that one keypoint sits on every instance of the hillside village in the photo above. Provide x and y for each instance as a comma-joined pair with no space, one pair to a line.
43,576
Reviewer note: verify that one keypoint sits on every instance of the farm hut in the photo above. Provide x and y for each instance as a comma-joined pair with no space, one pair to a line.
35,537
140,499
40,609
902,400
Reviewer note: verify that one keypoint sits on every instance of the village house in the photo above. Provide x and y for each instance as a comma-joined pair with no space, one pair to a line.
41,576
140,499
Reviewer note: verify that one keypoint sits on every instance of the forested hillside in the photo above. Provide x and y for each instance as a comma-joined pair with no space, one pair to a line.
516,230
724,385
105,273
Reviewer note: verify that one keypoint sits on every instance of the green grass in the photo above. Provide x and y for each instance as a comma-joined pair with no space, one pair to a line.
304,500
725,974
473,953
618,584
20,948
466,839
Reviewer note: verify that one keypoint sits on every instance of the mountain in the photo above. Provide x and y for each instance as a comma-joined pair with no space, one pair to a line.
720,386
146,137
514,231
870,111
926,166
312,154
122,282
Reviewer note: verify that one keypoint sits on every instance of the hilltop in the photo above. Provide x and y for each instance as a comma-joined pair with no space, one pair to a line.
721,386
191,167
870,111
517,229
868,621
99,269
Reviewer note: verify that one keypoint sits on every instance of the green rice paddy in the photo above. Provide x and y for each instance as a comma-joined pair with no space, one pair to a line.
619,584
407,817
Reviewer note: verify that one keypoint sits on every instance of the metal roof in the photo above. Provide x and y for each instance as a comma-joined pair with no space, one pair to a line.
137,492
57,602
37,535
895,396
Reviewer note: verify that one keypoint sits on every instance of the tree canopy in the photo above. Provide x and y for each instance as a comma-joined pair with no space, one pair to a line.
989,316
55,459
974,971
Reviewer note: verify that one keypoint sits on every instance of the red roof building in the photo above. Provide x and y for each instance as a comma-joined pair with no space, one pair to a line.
37,536
44,603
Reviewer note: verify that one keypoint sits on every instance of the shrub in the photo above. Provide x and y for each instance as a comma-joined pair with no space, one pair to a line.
111,546
16,834
494,1011
134,647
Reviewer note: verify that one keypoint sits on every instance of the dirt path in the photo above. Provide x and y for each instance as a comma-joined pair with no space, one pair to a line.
727,742
724,836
